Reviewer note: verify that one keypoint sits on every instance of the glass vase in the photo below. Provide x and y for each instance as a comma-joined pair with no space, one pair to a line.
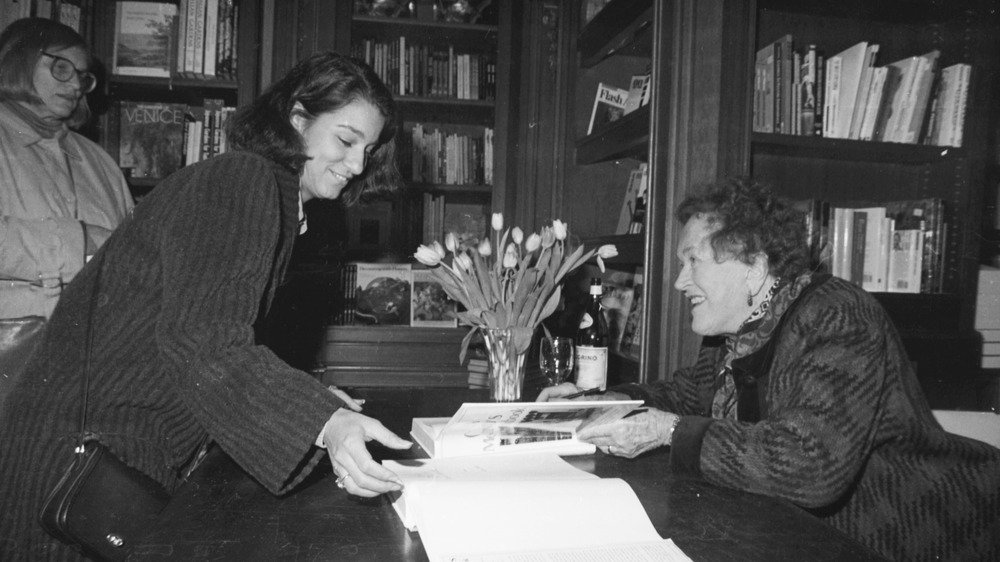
506,365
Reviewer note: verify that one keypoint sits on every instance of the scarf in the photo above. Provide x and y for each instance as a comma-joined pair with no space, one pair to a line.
755,332
45,128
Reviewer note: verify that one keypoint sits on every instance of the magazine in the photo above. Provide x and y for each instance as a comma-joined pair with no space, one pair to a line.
513,427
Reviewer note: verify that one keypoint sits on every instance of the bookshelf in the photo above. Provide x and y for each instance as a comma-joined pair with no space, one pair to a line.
191,90
451,81
937,328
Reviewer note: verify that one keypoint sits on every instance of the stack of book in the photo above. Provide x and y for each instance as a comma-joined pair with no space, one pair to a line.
987,320
848,96
479,373
189,39
411,68
892,246
453,154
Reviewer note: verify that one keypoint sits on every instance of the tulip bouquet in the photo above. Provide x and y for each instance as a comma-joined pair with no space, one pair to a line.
511,282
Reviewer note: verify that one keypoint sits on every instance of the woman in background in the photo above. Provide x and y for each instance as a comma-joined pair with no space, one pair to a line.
806,394
177,291
61,195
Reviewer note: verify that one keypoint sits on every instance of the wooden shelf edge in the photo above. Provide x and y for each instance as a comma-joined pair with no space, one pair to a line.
621,27
853,150
173,81
626,137
427,24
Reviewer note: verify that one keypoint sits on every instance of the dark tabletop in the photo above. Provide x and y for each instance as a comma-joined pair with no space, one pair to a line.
223,514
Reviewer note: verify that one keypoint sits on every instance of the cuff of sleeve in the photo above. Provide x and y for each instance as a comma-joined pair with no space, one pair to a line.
685,447
322,431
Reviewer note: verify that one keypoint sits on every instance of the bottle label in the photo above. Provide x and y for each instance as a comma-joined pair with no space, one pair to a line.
587,321
591,367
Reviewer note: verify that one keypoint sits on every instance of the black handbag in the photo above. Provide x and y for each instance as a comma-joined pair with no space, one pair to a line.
100,506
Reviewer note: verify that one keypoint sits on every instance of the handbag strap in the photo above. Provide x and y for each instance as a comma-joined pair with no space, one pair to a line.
89,339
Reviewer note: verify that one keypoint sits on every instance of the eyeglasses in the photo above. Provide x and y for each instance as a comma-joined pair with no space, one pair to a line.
63,70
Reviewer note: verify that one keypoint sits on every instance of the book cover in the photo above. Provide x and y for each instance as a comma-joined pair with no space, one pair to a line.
873,103
905,256
926,215
383,294
783,58
764,90
631,340
609,106
514,427
144,33
861,91
633,190
949,119
913,117
831,96
151,138
807,97
431,306
851,63
638,92
874,258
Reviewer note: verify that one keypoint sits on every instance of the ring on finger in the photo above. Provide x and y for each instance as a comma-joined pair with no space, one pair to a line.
340,481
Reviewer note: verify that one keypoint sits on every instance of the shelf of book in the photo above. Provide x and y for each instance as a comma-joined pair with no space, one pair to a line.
628,137
608,33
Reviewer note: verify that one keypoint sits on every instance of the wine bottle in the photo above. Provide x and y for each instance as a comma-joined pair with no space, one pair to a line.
592,343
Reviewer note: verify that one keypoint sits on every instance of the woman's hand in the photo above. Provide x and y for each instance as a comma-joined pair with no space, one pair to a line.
345,436
553,393
559,392
631,436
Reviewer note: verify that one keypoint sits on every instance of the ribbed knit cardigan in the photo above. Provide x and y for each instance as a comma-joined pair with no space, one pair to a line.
845,432
174,358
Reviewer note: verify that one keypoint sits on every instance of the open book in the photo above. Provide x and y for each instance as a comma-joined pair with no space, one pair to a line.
524,507
489,427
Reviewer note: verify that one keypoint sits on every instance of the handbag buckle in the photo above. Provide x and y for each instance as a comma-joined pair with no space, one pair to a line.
115,540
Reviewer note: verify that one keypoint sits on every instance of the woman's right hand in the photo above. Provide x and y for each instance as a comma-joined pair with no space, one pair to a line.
345,436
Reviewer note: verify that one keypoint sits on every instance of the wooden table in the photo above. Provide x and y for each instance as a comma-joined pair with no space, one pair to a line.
223,514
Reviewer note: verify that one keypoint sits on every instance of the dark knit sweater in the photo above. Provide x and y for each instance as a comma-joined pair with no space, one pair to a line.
174,358
844,432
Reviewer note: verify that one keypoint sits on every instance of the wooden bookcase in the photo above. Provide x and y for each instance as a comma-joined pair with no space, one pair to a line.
176,89
685,135
937,328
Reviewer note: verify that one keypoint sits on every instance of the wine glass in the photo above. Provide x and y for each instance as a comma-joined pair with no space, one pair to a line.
556,359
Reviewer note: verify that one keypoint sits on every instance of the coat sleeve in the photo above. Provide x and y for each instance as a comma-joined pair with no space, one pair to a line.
219,254
824,392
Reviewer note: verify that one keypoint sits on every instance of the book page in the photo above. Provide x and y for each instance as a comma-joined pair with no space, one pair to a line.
466,518
483,468
655,551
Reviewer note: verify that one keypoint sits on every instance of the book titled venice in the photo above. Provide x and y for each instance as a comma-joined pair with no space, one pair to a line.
151,138
144,34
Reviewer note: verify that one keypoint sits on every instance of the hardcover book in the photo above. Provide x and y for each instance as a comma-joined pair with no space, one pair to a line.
905,257
514,427
144,38
151,138
609,105
383,294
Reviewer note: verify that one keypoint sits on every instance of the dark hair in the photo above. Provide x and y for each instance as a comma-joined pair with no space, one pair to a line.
322,83
751,220
21,45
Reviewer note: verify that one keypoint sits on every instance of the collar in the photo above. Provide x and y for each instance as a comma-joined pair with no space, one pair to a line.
27,135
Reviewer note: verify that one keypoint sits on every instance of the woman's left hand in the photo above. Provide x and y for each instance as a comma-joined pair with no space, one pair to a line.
631,436
345,436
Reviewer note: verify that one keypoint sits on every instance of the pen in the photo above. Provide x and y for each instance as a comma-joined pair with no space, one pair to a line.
587,392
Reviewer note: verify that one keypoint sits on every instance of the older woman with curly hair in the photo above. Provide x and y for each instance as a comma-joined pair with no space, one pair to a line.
803,391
